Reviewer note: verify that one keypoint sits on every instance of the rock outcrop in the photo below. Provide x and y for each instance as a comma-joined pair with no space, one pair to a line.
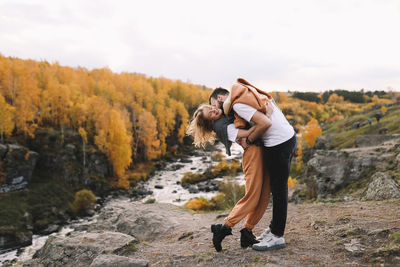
382,187
16,166
79,249
145,222
113,236
329,171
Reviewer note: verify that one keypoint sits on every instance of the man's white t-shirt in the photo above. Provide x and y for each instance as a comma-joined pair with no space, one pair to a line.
279,132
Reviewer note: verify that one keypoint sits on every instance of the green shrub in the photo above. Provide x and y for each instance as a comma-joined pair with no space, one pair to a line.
233,192
84,201
230,193
218,156
224,168
150,201
191,178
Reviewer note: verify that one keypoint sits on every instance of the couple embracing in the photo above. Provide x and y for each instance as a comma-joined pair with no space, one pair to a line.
250,117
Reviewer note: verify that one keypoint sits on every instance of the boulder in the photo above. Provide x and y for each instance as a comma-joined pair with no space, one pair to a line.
381,187
78,249
136,219
110,260
328,171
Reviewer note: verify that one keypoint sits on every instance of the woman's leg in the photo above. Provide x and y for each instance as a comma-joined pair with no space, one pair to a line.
253,170
255,216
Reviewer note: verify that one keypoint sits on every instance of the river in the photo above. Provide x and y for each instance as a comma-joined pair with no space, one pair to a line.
165,187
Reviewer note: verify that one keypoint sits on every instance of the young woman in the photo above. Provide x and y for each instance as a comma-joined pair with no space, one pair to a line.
255,201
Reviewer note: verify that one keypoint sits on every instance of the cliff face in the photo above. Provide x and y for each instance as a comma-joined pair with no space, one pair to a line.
16,167
331,171
64,157
39,179
50,157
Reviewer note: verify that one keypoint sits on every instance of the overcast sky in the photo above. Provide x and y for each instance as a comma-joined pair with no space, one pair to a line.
278,45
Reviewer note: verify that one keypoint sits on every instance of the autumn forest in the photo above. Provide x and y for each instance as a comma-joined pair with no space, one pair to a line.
128,116
133,118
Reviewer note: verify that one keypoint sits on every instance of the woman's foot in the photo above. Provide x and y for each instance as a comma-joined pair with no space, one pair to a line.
219,232
247,238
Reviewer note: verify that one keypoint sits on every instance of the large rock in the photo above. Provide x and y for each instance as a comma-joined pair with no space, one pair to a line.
17,164
120,261
139,220
382,187
329,171
78,249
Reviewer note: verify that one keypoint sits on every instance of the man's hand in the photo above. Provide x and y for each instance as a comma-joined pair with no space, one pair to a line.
242,142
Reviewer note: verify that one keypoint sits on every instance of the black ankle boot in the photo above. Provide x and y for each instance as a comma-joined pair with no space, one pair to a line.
219,232
247,238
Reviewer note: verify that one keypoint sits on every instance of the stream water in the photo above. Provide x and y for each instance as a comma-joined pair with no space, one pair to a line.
166,188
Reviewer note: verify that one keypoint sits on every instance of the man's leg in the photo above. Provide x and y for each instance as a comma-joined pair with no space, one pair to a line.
278,162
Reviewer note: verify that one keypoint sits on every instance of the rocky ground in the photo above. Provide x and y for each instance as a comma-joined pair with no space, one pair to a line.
129,233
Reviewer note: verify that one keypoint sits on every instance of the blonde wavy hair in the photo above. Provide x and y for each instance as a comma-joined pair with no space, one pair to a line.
200,128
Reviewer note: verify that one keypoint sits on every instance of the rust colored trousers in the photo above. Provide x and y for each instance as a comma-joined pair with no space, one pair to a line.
255,201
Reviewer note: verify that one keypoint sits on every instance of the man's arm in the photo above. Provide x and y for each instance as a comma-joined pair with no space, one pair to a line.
245,133
261,124
250,114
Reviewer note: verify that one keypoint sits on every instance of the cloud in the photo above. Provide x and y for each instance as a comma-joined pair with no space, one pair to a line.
281,45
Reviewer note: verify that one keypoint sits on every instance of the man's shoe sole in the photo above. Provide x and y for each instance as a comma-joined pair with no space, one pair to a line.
269,248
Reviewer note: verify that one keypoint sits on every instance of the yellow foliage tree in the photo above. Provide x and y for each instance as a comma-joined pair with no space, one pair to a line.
283,97
311,132
383,110
147,135
334,98
292,182
6,118
114,140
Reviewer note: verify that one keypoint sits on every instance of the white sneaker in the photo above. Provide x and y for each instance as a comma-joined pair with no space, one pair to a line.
266,234
271,243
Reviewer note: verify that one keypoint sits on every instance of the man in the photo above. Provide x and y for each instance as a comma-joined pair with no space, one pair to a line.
257,107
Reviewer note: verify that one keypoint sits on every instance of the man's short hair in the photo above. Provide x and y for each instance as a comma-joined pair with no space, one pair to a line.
218,91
